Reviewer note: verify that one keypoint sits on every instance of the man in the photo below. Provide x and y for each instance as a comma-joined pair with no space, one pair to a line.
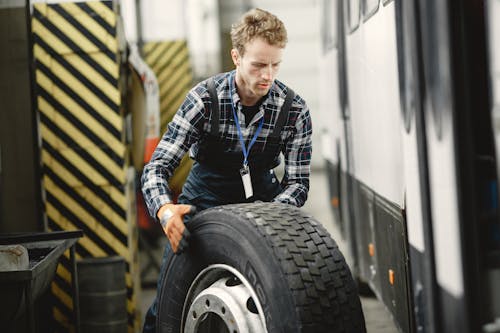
235,125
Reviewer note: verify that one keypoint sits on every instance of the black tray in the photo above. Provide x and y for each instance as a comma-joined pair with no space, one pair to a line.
20,289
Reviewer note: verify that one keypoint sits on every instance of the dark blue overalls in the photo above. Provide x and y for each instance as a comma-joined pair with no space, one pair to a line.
215,178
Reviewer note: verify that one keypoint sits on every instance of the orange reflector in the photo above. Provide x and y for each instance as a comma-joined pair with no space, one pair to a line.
335,202
371,249
391,277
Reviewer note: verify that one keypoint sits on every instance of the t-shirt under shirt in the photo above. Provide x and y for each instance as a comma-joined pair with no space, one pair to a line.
251,111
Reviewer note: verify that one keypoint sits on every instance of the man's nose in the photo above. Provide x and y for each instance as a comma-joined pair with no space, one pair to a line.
267,72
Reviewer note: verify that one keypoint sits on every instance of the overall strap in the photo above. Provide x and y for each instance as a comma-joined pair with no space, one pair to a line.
283,115
214,123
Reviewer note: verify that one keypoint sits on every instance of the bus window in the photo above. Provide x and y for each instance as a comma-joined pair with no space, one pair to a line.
407,62
353,14
329,25
370,7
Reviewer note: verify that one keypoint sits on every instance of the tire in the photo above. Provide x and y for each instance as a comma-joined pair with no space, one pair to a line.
264,266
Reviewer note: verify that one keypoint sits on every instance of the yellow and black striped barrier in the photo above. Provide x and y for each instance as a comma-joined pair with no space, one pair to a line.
86,178
171,64
169,60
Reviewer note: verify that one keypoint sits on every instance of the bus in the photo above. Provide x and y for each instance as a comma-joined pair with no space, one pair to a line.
410,127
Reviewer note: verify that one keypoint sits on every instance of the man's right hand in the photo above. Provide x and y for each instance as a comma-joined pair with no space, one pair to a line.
175,228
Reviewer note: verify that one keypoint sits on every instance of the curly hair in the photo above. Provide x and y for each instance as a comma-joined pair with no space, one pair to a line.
258,23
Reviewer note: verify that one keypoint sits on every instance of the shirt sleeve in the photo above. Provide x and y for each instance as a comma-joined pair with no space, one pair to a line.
297,153
181,133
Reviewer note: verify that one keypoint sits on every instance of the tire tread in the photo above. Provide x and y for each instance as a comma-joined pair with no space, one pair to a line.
324,291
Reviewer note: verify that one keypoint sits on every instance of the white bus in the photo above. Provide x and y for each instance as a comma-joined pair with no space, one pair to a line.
411,134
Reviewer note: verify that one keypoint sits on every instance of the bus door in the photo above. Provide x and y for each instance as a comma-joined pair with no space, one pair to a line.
422,284
461,161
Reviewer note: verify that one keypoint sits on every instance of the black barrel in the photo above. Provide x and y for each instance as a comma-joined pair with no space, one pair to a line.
103,295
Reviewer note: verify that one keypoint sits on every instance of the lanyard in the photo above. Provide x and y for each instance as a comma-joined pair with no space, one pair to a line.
246,150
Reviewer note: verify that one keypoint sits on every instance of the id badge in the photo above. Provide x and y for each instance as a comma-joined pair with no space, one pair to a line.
247,181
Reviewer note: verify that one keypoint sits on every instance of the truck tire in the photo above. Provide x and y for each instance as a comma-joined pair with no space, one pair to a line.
260,267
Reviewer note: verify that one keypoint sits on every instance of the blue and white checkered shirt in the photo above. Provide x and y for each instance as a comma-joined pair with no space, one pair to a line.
193,119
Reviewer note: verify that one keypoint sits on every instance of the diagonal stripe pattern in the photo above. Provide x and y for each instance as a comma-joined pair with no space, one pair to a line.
170,62
84,155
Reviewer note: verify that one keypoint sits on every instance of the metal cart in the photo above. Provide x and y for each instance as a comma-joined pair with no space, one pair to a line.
20,289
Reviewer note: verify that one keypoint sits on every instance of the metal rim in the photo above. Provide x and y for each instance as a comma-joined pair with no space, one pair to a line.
221,298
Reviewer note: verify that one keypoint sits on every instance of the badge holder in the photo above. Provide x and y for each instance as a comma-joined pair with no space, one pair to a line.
247,181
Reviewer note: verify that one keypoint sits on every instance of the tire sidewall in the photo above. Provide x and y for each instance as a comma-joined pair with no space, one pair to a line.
221,238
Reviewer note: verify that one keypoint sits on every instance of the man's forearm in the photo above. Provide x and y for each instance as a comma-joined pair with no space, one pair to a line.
155,190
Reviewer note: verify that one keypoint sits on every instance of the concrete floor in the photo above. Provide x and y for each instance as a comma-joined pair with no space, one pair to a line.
378,319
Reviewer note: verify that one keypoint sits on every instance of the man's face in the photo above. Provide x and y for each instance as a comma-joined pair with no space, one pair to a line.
257,68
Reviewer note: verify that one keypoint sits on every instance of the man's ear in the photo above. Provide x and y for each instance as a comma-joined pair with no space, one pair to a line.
235,56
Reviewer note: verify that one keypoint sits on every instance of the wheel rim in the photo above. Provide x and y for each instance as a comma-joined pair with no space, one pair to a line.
220,299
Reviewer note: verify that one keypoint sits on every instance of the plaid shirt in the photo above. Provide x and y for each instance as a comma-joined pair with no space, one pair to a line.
193,119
